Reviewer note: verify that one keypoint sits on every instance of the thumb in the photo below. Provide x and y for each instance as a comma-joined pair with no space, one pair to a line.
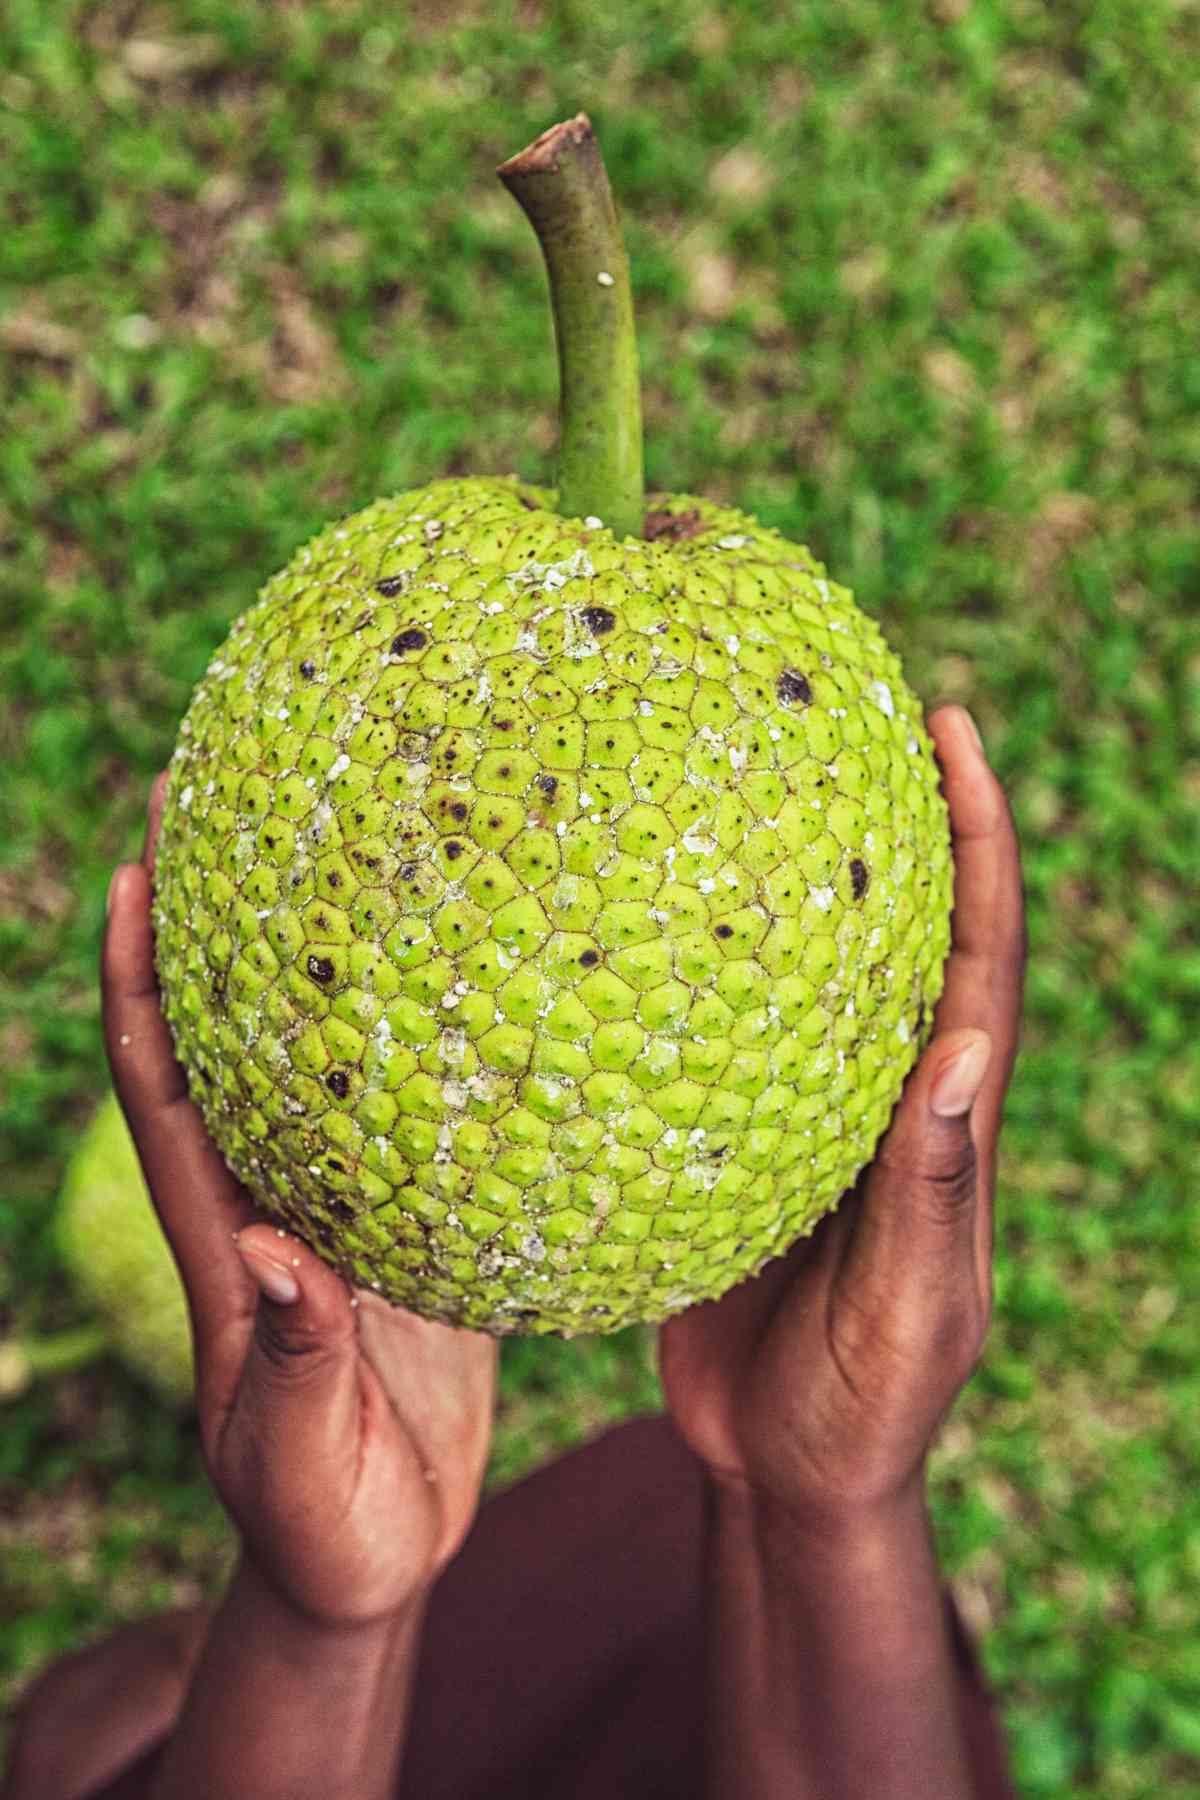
924,1180
301,1361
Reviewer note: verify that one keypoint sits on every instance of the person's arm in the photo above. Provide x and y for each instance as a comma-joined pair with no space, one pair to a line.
830,1665
280,1706
346,1438
812,1393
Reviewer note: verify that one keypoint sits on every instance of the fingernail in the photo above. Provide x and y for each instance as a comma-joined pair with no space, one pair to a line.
112,888
974,731
957,1086
275,1282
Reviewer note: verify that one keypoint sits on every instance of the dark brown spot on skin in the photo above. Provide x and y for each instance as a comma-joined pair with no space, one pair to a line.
363,620
338,1082
504,724
590,958
548,785
663,524
333,1163
724,931
407,871
459,810
321,969
412,639
335,879
860,876
505,772
495,824
598,619
792,687
308,669
454,850
390,586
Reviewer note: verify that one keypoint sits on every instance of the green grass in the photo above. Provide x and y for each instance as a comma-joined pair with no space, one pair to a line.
913,284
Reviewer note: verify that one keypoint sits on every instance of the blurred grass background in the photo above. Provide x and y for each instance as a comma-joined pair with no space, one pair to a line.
915,282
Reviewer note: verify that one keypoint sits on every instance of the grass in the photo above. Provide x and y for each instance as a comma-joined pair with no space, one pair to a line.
911,283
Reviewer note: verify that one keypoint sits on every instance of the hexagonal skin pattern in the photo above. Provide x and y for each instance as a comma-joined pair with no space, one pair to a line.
547,923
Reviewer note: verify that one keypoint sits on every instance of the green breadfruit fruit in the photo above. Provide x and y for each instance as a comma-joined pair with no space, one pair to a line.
548,914
117,1258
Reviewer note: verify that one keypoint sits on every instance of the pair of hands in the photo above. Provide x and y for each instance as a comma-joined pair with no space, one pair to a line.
348,1438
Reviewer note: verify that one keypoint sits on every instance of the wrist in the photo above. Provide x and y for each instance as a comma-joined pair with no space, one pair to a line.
254,1592
770,1516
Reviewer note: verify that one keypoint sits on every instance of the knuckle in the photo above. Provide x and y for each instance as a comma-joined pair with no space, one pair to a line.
947,1189
288,1348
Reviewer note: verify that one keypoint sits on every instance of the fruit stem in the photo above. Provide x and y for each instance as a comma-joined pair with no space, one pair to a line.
560,183
24,1359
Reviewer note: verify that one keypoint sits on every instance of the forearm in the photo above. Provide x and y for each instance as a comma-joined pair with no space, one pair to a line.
831,1674
286,1710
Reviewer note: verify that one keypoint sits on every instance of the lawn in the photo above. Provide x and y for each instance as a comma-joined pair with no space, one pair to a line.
913,284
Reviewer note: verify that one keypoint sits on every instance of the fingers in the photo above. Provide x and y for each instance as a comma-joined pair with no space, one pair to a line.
985,970
154,812
198,1201
926,1217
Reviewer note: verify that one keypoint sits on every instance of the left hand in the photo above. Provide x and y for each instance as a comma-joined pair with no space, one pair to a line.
347,1438
819,1384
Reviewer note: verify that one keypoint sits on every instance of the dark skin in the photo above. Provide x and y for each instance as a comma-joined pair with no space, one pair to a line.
810,1396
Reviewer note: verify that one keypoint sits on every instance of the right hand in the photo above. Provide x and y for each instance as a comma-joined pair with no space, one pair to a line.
348,1443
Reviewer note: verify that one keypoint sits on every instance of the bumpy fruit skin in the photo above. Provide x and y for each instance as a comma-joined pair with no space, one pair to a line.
547,924
117,1258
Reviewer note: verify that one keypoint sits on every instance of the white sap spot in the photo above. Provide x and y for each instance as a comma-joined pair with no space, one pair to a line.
912,746
185,798
533,1247
697,844
527,640
584,799
821,897
883,698
502,956
604,278
670,1138
774,734
737,758
338,767
593,523
707,885
902,1031
734,541
733,643
560,830
645,708
554,575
